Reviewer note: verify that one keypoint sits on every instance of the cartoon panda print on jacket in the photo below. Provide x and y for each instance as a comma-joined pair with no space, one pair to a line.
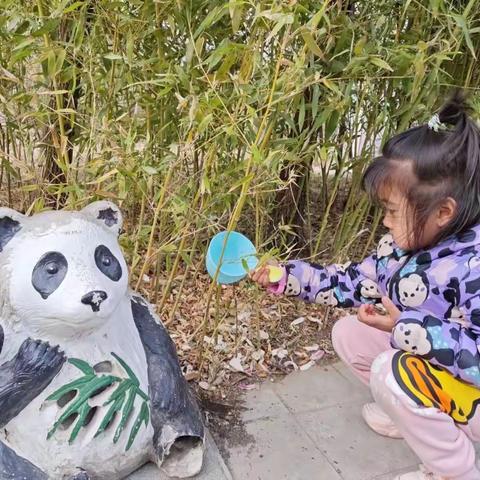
326,297
410,283
412,289
413,338
385,246
292,287
367,291
436,290
90,383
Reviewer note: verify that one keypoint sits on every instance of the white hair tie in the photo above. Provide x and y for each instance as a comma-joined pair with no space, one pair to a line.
435,124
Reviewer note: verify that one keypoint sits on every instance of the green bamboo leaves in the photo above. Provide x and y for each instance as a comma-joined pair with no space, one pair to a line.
85,388
125,395
121,401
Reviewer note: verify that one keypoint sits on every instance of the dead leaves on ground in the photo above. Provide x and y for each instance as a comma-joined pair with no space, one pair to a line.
248,335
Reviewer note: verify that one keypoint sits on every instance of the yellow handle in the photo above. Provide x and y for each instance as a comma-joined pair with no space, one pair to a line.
275,274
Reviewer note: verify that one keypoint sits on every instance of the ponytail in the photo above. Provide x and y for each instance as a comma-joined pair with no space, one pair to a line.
464,140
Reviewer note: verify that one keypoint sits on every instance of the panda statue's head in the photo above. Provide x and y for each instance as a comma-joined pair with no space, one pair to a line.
61,272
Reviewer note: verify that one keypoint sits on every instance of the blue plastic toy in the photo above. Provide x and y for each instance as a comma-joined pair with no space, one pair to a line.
239,257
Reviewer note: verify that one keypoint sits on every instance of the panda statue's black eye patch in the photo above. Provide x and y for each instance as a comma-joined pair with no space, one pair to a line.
107,263
49,273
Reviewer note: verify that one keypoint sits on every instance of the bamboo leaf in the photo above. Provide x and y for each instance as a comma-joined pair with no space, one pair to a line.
214,16
82,365
114,407
312,44
119,391
150,170
52,92
104,177
68,388
379,62
314,22
80,421
74,6
127,369
236,13
126,412
60,59
241,182
51,62
113,56
434,5
301,113
204,123
276,29
462,23
142,417
315,98
49,26
23,45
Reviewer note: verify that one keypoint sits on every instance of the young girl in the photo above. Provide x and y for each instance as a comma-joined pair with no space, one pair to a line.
421,356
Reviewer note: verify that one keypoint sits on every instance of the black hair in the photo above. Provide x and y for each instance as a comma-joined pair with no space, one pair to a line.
430,163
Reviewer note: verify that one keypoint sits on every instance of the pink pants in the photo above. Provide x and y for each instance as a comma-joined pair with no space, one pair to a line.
444,447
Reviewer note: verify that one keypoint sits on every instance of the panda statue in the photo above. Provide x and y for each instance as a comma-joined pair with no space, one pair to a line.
90,383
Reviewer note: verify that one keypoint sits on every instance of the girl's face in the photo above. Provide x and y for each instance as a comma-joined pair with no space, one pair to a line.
399,219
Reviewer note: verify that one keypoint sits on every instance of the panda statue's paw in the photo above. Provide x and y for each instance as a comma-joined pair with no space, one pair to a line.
38,361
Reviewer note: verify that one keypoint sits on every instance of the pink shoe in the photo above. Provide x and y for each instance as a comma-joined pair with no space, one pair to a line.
379,421
421,474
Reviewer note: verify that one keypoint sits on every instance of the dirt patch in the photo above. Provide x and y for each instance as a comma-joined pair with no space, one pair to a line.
225,423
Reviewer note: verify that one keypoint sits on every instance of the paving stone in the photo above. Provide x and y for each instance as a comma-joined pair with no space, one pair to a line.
263,403
279,451
360,454
317,388
344,371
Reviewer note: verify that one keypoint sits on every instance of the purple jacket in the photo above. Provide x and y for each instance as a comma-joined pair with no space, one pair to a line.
437,291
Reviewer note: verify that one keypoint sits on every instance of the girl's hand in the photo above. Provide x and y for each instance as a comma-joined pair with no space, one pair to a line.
261,275
368,315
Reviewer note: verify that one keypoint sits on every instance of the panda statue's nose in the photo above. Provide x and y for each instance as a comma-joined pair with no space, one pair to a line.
94,299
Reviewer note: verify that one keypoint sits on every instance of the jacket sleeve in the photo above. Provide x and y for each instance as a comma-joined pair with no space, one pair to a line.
453,345
346,285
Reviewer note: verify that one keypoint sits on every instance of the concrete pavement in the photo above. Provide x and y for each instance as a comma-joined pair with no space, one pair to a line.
307,426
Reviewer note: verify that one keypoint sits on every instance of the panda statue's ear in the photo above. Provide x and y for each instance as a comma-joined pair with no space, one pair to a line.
106,213
10,223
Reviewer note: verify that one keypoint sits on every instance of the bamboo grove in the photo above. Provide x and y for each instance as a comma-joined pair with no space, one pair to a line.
198,115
